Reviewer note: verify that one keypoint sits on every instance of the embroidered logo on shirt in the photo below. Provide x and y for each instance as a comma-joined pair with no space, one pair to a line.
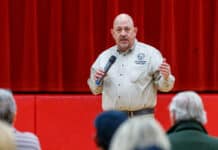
140,59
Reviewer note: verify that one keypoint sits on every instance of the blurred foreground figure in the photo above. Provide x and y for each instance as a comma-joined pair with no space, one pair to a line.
7,139
140,134
106,123
8,109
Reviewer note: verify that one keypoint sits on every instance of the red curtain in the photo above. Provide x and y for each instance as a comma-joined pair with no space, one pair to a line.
49,45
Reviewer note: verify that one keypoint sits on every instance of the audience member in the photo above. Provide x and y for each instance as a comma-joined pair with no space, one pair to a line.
106,124
24,140
7,141
188,118
139,133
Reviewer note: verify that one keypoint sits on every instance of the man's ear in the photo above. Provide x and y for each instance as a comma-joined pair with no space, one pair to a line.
135,30
112,33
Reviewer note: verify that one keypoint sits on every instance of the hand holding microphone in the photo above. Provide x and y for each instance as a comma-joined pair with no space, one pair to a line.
100,74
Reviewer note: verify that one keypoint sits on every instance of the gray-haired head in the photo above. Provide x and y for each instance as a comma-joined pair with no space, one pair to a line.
187,105
7,106
139,132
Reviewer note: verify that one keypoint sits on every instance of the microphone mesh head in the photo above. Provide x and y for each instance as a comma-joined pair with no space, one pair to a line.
112,59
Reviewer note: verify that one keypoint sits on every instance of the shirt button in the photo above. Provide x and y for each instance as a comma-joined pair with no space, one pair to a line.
122,65
121,74
118,84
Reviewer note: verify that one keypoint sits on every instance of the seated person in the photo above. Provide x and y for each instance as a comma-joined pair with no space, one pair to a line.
24,140
188,118
106,124
140,133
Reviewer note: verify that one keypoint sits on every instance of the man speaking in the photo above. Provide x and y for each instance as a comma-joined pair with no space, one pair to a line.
138,71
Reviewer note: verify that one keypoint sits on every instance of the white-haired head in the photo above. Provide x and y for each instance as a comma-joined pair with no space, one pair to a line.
140,132
187,105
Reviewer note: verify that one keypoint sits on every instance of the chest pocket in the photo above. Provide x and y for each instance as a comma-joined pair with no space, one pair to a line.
138,72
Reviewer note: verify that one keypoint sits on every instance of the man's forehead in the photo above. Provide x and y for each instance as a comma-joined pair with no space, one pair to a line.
123,25
123,20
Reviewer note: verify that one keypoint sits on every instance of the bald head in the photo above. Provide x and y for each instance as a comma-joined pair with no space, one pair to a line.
123,17
124,32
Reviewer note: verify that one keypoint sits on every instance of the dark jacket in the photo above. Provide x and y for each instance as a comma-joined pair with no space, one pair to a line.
191,135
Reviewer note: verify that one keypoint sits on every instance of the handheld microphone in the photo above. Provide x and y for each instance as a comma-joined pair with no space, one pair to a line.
110,62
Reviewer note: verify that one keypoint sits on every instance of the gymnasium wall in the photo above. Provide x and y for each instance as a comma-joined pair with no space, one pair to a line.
64,122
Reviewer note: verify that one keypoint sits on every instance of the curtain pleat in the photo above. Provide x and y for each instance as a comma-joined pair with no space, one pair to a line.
29,69
213,80
54,70
5,65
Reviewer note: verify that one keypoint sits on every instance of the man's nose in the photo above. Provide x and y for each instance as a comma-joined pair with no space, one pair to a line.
123,33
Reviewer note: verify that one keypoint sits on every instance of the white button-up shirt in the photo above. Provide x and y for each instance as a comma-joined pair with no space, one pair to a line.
133,80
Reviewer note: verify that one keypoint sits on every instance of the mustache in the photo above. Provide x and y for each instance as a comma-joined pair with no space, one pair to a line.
123,38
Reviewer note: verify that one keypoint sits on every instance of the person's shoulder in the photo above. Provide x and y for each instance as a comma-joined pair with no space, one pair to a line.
27,140
108,52
29,136
213,139
148,49
142,44
26,134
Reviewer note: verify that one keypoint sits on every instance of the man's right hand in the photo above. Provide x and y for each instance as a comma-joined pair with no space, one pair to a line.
99,74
